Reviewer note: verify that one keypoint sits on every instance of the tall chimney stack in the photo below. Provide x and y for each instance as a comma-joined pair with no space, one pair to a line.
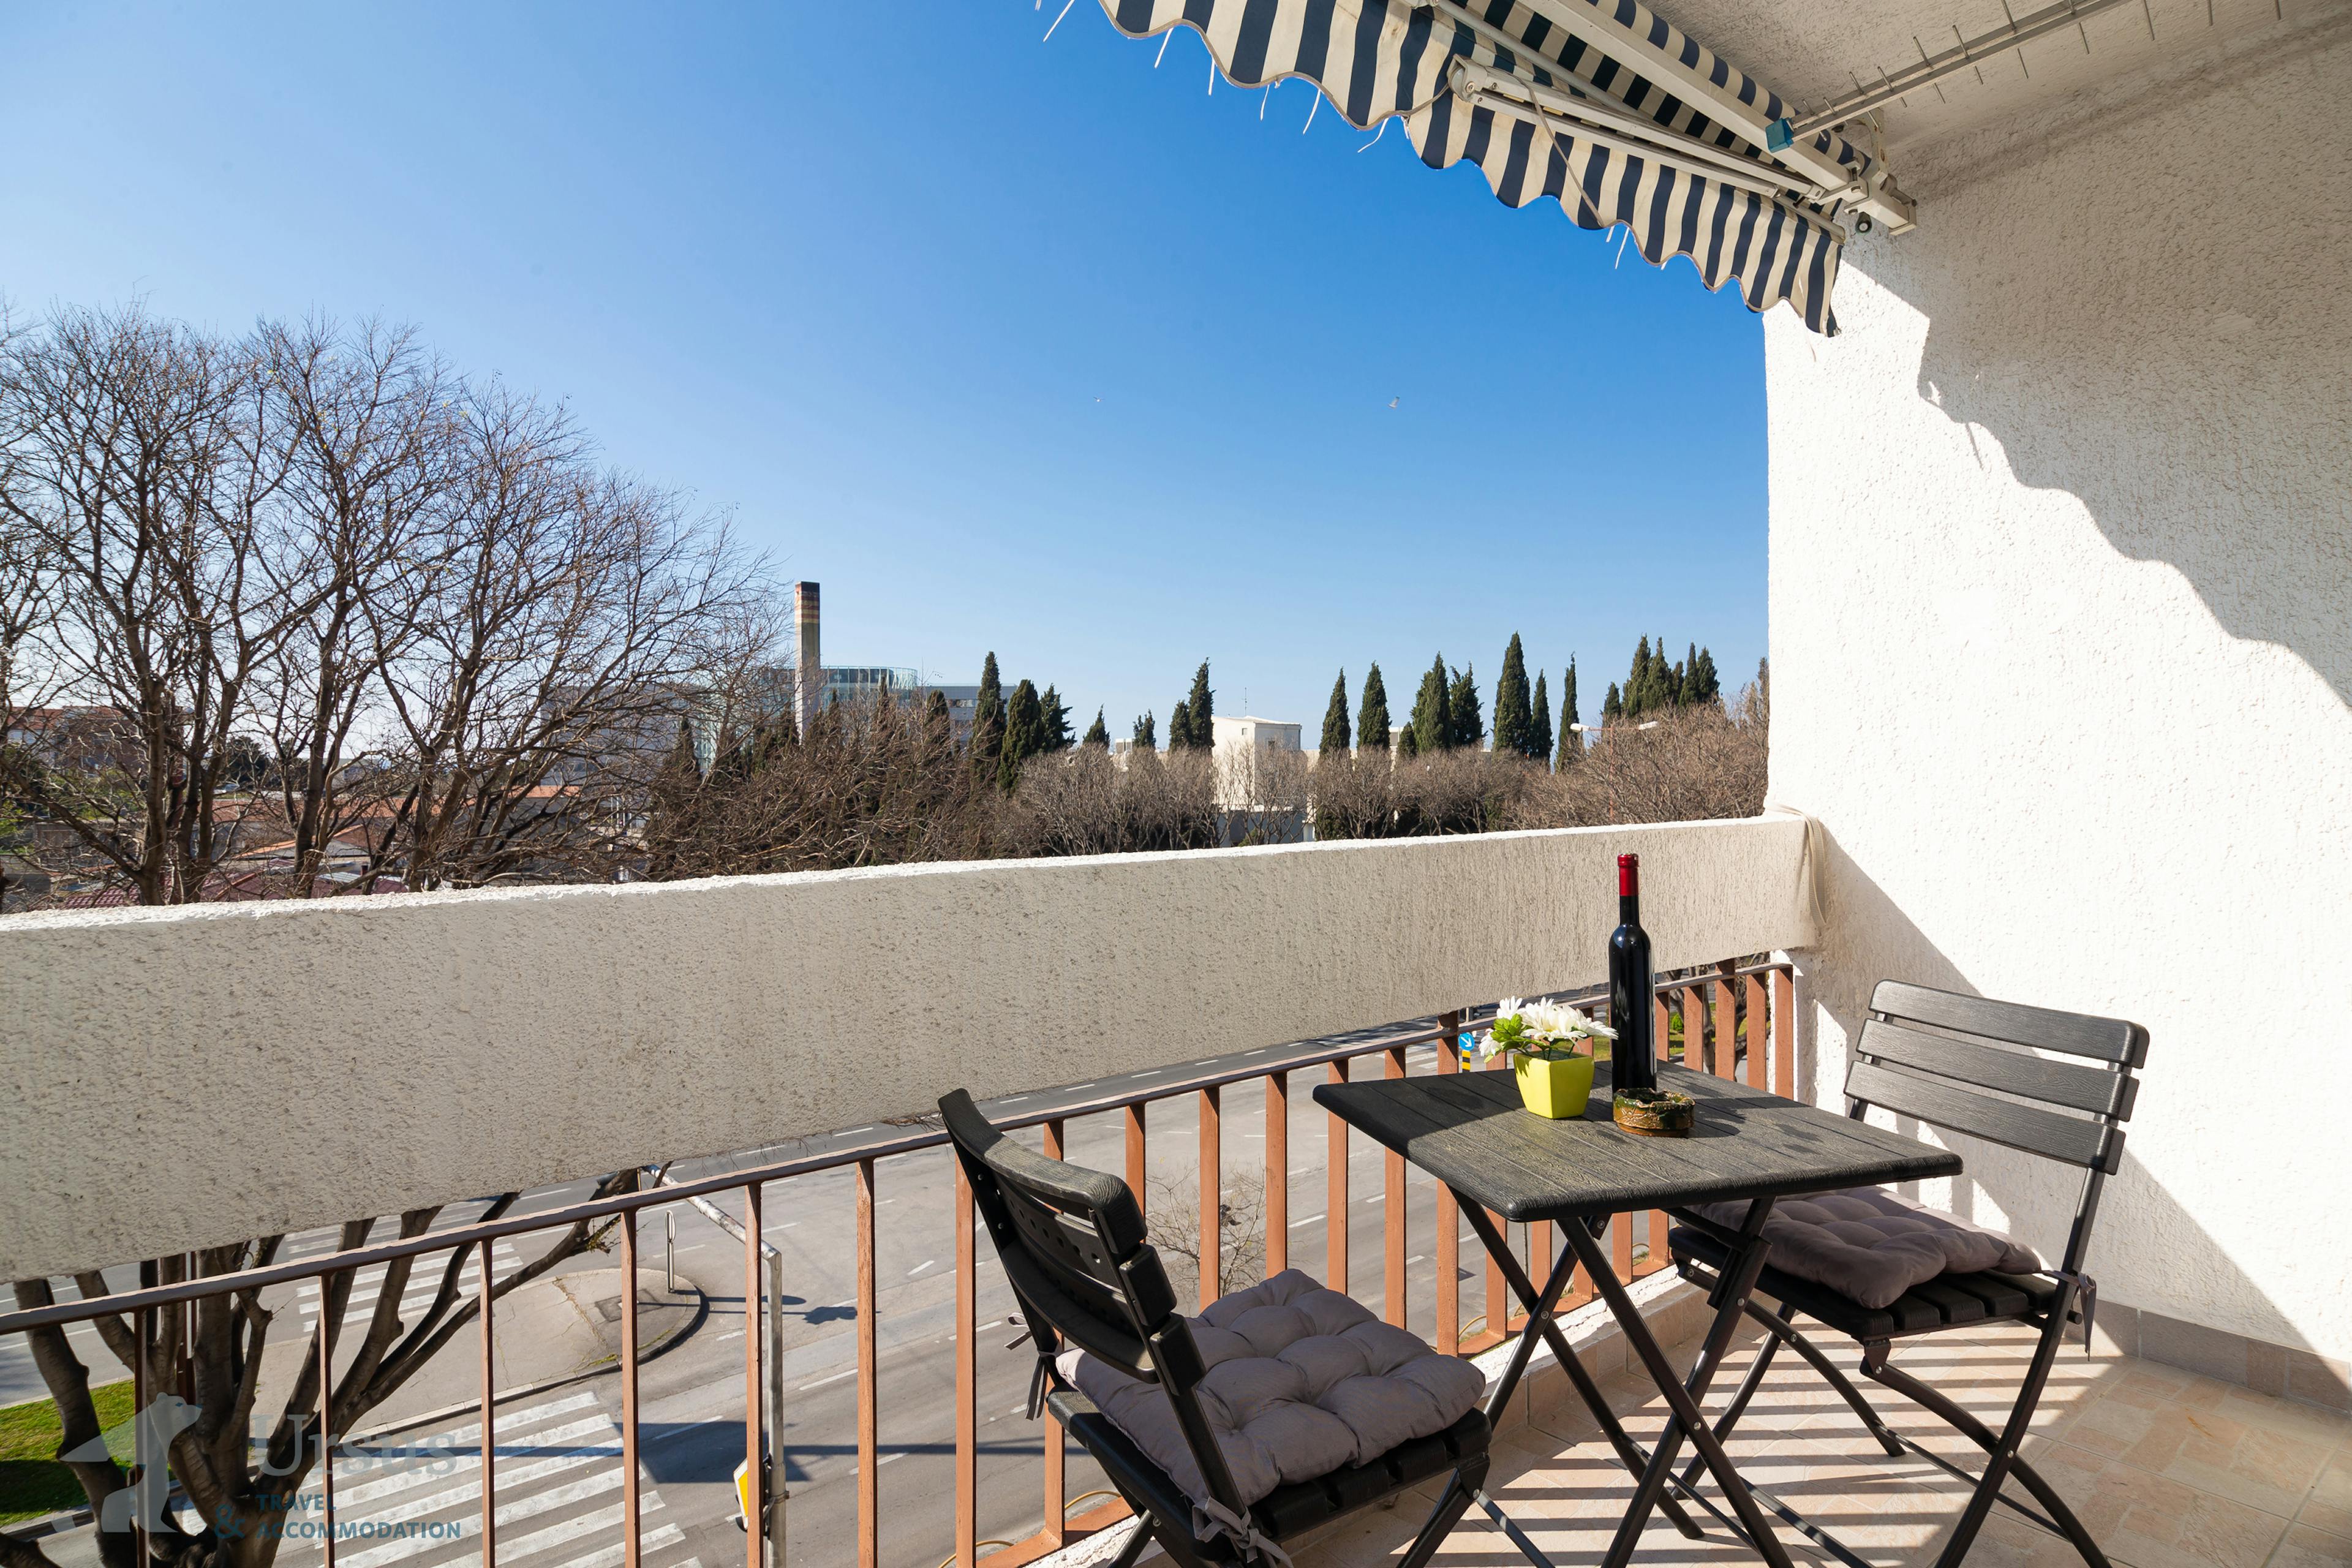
811,675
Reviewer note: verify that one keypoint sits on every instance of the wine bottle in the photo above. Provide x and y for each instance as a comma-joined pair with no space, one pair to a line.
1633,1056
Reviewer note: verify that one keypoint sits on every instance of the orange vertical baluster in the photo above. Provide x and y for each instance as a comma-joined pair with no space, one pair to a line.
1212,1185
489,1424
1056,1486
632,1516
1727,1033
1784,1036
1335,1193
967,1380
1499,1300
1135,1152
1392,1212
869,1498
1449,1218
755,1476
1277,1173
1754,1034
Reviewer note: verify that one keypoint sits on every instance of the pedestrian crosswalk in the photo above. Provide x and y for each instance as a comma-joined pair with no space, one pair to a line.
424,1283
416,1500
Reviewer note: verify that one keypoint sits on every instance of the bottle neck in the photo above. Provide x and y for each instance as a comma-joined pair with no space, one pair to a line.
1629,908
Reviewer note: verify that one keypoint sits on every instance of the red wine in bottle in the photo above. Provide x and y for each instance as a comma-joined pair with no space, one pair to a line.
1633,1056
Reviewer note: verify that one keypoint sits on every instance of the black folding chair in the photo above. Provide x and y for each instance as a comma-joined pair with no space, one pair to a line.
1072,1243
1924,1054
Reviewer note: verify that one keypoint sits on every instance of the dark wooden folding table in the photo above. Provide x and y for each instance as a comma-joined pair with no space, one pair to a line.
1469,1131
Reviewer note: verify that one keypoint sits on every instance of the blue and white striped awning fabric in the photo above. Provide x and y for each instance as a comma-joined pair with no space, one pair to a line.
1544,113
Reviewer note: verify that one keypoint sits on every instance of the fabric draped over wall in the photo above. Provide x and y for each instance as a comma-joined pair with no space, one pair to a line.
1377,59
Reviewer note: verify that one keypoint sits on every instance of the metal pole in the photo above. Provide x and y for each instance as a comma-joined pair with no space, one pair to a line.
778,1491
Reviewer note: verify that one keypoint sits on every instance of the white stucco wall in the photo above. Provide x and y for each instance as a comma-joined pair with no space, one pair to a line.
2062,644
187,1077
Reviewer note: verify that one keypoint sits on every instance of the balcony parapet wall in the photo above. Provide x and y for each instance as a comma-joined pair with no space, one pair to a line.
191,1076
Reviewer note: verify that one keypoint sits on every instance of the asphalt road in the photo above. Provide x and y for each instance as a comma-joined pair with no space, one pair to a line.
561,1489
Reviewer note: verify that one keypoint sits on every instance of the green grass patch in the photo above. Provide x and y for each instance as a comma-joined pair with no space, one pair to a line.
32,1482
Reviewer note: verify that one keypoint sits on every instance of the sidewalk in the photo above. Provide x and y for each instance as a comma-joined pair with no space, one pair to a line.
559,1328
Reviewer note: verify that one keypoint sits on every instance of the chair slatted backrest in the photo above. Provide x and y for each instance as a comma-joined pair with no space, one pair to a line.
1928,1054
1072,1242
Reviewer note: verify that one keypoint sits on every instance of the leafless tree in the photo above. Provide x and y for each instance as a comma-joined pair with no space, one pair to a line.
557,626
372,446
1374,796
1689,764
137,465
875,782
1089,802
1172,1225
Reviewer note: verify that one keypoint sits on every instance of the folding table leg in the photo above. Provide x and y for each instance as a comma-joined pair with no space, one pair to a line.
1682,1398
1748,1387
1629,1453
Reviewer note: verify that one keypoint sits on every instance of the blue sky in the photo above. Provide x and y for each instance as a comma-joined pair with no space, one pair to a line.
1014,345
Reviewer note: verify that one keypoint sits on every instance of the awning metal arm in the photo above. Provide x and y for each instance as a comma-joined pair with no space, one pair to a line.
1883,202
1755,185
1598,122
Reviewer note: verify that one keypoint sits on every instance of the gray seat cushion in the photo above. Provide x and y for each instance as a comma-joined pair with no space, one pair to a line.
1301,1381
1871,1246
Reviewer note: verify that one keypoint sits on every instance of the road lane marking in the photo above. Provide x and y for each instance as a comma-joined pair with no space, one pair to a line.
821,1381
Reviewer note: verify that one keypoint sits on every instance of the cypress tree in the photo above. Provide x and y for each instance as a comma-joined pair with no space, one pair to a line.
683,767
1337,738
1663,680
939,725
1612,708
1538,723
1147,732
1636,680
1025,733
988,718
1515,720
1201,705
1694,684
1180,727
1097,733
1462,703
1406,745
1056,722
1710,684
677,792
1433,717
1571,744
1373,718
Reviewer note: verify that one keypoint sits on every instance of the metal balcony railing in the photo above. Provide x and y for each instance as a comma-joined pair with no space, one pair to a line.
1731,1020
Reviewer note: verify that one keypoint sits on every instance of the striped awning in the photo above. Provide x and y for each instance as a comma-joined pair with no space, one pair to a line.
1596,104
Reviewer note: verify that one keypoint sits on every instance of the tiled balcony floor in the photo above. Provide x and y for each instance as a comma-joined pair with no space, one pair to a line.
2167,1468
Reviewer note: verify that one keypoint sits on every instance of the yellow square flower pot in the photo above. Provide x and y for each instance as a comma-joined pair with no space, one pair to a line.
1554,1089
